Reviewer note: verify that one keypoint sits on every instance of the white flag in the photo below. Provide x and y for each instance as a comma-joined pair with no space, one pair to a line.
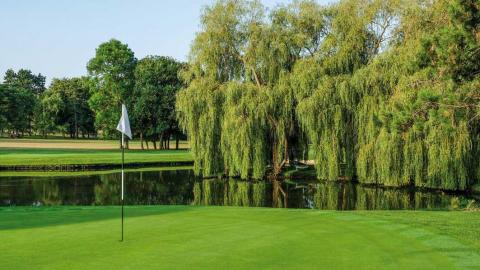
124,124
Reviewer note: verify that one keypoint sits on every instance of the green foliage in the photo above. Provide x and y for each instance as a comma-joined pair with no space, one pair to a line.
112,71
199,113
244,130
19,95
383,91
238,107
156,85
64,107
17,106
25,79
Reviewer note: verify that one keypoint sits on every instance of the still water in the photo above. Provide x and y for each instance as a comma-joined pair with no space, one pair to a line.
180,186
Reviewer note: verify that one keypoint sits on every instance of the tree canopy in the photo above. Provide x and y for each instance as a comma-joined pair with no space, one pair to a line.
153,112
112,72
18,99
64,107
382,91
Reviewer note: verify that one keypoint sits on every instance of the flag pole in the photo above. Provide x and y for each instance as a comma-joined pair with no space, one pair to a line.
124,127
123,159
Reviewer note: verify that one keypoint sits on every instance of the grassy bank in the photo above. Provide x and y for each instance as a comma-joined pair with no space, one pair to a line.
182,237
45,156
88,172
58,152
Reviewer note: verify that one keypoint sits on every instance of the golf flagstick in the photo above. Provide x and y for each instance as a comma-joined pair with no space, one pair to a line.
124,127
123,175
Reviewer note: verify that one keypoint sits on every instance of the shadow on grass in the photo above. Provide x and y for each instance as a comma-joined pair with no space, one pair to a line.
12,218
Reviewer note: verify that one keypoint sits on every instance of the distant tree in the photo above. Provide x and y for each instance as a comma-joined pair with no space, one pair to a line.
64,107
156,85
3,108
24,91
25,79
17,106
44,122
112,72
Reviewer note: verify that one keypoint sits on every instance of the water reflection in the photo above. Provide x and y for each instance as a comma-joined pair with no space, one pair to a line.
144,187
324,195
182,187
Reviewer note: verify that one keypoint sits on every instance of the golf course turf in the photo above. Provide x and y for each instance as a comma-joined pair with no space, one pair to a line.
53,154
42,156
187,237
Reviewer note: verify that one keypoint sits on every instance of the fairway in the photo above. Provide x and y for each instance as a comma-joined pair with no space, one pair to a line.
57,152
184,237
42,156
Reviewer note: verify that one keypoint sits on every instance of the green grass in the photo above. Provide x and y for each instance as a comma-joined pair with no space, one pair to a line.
184,237
45,156
87,172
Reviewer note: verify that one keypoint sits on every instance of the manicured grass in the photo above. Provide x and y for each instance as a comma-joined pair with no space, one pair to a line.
87,172
184,237
45,156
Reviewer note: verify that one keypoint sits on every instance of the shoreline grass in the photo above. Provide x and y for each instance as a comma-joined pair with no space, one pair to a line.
87,172
46,156
187,237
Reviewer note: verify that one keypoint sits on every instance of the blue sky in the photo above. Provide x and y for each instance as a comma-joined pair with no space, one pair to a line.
58,37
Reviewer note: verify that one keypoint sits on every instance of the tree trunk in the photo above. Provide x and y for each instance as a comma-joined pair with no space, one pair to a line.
177,139
286,157
141,140
155,144
75,119
161,141
277,167
148,146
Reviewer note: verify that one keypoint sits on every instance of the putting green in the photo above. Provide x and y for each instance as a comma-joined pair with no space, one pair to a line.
184,237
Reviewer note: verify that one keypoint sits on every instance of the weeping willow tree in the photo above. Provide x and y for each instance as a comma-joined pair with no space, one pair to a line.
238,108
383,91
244,123
328,107
423,128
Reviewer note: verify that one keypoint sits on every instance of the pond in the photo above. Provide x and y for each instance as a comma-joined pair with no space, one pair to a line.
180,186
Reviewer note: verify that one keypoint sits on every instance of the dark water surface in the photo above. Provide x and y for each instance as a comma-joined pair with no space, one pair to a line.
182,187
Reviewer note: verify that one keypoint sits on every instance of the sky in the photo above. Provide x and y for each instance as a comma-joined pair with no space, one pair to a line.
58,37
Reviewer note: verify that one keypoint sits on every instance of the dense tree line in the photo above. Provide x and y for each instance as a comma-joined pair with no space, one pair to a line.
384,91
148,87
18,95
90,105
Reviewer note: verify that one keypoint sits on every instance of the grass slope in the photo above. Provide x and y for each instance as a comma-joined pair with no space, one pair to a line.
183,237
45,156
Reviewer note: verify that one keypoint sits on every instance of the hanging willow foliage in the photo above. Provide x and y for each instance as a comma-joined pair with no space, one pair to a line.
382,91
238,108
244,130
200,111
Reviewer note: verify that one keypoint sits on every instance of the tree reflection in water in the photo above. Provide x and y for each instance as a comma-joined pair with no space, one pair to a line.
182,187
323,195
